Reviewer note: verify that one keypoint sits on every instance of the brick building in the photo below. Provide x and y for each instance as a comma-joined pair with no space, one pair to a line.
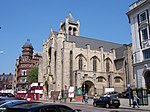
6,82
26,61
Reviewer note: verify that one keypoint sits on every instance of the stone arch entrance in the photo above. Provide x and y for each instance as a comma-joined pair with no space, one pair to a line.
89,88
45,88
147,79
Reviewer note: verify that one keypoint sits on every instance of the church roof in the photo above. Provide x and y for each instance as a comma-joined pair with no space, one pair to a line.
81,42
71,19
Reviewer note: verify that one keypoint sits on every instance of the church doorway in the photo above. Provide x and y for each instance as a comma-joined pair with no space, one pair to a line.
45,88
147,80
89,88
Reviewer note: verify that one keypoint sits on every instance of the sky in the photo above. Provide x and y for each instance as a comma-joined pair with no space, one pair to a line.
32,19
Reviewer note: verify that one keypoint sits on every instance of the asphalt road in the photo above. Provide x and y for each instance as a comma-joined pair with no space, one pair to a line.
89,108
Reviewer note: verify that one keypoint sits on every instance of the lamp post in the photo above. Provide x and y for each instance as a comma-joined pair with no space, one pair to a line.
128,81
129,89
84,79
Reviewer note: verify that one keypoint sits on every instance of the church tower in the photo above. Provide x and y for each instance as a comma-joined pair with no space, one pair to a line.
70,26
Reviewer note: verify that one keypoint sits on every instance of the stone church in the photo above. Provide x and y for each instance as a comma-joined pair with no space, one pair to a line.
83,62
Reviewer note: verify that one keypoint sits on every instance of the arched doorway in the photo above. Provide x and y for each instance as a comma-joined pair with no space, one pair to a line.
147,80
88,87
45,89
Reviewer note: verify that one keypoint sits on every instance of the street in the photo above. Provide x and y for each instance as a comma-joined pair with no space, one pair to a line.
90,108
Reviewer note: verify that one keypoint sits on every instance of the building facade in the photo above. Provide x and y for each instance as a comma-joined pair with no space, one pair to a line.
139,19
26,61
6,81
71,60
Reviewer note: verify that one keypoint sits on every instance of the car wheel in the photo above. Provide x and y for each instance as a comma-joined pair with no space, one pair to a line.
95,105
107,105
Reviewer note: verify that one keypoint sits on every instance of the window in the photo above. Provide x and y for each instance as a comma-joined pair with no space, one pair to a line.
143,17
94,64
65,109
49,109
146,53
80,63
50,53
24,72
117,79
107,66
144,34
100,79
71,66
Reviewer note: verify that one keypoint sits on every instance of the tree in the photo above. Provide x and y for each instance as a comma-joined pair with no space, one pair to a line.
33,75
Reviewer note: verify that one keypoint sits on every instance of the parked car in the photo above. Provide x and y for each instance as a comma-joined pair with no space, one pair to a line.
107,102
6,95
113,94
10,103
41,107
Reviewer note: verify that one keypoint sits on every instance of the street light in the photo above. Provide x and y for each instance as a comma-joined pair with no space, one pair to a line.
84,79
128,81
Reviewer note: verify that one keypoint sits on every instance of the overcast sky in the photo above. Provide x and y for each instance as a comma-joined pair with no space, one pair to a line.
32,19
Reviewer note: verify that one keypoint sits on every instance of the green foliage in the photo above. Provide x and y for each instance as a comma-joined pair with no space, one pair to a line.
33,75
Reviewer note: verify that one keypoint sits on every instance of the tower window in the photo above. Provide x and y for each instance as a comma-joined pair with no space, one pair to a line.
70,28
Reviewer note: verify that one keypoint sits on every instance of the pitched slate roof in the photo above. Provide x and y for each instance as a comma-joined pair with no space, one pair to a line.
81,42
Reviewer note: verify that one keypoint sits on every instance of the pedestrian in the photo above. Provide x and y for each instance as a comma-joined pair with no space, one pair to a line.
54,98
34,96
86,98
135,101
94,98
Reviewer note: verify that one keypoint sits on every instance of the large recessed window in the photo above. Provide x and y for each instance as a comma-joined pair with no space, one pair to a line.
143,17
144,34
80,63
94,64
146,53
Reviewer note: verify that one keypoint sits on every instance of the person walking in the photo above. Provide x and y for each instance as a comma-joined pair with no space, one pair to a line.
135,101
54,98
86,98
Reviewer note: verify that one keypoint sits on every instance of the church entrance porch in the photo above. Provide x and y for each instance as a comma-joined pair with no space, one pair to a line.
89,88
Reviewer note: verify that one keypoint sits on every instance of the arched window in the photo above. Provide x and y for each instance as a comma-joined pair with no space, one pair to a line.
55,62
94,64
49,52
107,66
70,28
118,79
100,79
71,64
74,31
80,62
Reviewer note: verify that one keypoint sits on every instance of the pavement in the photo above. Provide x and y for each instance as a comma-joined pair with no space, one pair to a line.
124,104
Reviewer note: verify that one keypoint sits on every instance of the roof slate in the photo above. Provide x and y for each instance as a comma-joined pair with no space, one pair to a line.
81,42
